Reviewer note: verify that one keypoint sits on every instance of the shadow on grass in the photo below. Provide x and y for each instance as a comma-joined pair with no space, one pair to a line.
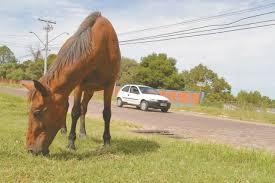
118,146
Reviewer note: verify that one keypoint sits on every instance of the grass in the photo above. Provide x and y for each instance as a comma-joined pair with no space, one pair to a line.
12,85
131,158
241,114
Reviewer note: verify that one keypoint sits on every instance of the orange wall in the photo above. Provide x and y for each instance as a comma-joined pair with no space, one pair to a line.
184,98
195,98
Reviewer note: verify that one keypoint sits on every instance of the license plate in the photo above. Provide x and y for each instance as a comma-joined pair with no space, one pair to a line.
163,104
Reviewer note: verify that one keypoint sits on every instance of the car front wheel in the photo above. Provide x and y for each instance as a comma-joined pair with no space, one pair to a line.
164,109
144,105
119,102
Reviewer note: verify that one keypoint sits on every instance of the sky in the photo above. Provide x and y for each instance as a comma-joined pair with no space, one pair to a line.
244,58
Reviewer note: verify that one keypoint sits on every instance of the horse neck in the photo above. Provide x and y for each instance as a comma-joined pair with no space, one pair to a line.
60,86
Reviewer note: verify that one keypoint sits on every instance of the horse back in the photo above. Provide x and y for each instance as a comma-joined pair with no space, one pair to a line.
105,60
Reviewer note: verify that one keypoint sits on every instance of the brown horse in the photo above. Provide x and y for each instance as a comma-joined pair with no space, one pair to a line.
89,61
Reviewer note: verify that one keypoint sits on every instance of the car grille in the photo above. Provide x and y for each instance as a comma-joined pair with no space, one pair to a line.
162,101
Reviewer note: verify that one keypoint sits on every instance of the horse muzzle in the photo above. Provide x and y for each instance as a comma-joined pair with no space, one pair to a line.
38,151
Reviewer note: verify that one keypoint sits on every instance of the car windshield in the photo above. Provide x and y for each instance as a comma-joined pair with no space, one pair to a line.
148,90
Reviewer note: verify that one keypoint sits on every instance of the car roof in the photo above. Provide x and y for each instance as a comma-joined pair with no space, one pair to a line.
137,85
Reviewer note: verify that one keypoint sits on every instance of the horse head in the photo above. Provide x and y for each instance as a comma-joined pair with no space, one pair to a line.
46,115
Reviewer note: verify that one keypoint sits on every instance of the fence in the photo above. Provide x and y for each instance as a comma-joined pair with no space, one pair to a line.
175,96
7,81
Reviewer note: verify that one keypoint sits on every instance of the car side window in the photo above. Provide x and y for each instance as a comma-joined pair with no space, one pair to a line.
126,89
134,90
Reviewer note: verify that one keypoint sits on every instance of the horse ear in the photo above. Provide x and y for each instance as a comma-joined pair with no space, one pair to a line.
42,89
27,84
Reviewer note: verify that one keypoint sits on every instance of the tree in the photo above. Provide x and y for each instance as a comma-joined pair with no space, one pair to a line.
3,70
51,59
12,71
242,97
16,74
272,105
200,78
266,102
30,69
36,53
253,99
127,71
158,71
6,55
175,81
33,70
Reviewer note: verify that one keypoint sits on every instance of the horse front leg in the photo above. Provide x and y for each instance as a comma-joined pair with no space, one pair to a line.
84,104
76,111
63,129
108,92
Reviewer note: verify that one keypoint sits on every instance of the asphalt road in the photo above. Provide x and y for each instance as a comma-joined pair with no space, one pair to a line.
187,125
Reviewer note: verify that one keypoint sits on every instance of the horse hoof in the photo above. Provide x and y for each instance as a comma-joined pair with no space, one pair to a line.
71,146
107,143
63,131
82,136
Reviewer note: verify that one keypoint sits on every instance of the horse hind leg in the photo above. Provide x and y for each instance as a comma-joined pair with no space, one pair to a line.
76,112
84,104
108,92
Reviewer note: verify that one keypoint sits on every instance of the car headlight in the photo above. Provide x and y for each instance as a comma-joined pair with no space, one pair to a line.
153,100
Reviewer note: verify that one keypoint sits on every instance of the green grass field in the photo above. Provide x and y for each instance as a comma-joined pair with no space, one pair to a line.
131,157
245,115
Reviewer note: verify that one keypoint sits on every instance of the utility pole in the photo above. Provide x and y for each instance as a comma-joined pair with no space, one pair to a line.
47,28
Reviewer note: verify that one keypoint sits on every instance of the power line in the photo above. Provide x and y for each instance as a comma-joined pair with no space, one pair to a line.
13,46
207,30
15,35
201,27
202,19
197,35
12,43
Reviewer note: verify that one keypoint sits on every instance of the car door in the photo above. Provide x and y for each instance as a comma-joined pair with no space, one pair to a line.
124,93
133,96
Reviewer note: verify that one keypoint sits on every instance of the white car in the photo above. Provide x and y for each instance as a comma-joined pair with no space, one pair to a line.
142,97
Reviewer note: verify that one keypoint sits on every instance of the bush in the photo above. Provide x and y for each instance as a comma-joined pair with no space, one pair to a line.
17,74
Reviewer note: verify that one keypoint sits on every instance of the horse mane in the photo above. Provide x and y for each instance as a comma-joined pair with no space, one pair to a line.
76,46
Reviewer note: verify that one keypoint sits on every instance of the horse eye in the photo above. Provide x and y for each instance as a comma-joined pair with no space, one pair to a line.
39,112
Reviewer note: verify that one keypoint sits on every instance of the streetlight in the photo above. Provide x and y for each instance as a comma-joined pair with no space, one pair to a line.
46,45
58,36
38,38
